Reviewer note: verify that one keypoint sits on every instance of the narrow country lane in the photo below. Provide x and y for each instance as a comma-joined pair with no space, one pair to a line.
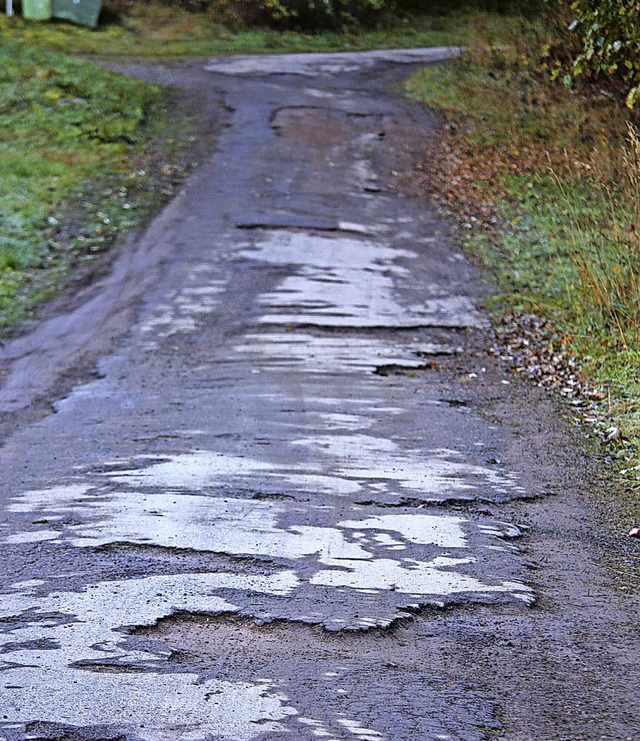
279,508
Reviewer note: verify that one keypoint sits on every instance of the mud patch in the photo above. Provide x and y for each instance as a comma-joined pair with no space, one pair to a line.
323,127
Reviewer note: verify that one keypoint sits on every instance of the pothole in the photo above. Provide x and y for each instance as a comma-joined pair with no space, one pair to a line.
322,127
398,369
384,684
230,644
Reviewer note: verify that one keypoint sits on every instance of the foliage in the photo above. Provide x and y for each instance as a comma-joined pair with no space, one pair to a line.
610,36
319,15
546,181
307,14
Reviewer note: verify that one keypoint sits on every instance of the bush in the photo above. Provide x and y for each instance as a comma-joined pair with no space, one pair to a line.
319,15
304,14
610,39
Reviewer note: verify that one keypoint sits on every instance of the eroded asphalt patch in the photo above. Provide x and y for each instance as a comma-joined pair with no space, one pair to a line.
218,536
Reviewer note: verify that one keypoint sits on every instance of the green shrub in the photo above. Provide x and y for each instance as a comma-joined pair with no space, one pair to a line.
300,14
306,14
320,15
610,38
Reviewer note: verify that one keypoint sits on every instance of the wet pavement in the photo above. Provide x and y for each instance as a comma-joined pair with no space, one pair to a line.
224,532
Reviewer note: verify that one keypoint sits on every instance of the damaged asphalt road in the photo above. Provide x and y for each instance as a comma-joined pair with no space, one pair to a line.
297,498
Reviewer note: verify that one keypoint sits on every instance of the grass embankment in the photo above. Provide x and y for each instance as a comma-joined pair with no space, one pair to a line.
74,145
161,31
547,180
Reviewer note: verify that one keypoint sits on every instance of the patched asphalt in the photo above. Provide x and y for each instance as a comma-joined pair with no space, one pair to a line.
286,500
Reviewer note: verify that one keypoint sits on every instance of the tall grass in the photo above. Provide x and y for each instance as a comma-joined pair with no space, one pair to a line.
605,242
546,179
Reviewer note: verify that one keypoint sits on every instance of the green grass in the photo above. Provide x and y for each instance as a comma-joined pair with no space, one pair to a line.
159,31
503,100
70,134
562,175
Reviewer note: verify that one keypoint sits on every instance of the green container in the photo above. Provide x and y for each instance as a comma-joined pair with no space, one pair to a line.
84,12
36,10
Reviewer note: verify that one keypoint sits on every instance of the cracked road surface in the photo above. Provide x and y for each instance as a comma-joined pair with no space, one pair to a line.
256,518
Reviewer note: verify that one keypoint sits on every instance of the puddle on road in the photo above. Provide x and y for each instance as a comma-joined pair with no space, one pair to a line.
233,526
181,311
307,353
337,465
437,474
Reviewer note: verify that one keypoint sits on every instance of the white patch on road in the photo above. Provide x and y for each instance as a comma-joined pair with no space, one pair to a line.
40,536
345,282
307,353
340,421
194,470
202,469
362,733
182,310
417,578
242,527
233,526
149,707
57,496
87,626
440,530
364,457
317,64
359,462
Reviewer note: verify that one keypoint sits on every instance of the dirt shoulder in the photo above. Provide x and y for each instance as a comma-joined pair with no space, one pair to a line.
566,670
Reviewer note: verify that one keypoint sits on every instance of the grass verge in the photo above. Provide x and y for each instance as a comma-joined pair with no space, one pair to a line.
545,182
158,30
75,145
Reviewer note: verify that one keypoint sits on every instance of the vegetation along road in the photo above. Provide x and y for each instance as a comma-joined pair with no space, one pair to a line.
268,474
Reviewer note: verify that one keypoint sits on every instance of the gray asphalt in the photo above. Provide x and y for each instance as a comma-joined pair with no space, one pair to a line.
274,470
